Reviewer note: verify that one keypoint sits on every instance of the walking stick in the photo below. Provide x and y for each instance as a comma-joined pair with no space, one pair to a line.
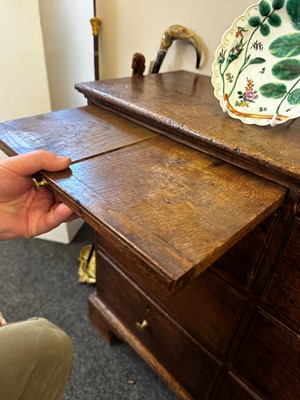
95,22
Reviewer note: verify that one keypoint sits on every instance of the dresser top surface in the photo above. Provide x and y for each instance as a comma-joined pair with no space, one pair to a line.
182,104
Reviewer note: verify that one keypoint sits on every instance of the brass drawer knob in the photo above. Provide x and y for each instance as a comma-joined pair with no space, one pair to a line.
37,185
142,325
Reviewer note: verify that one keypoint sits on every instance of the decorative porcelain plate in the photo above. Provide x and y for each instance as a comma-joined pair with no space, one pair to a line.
256,72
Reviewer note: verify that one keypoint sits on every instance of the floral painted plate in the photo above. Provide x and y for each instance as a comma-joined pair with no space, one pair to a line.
256,71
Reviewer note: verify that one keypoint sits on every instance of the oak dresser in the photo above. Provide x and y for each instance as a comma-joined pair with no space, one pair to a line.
197,230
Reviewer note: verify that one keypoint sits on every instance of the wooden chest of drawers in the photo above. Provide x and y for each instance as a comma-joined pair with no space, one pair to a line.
197,230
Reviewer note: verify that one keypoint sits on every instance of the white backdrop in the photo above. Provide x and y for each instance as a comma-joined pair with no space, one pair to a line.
23,77
130,26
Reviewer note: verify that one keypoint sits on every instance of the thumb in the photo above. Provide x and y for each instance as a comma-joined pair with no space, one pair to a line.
30,163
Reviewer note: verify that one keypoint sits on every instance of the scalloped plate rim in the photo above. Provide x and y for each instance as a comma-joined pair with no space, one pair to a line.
217,86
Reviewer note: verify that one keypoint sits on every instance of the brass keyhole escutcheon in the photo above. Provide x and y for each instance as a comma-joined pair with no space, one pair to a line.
142,325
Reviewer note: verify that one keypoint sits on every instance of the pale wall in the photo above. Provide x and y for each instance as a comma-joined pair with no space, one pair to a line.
68,43
23,78
24,89
130,26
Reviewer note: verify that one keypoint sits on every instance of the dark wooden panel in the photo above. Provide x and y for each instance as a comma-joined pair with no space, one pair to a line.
239,265
188,363
270,359
207,308
283,291
79,133
183,104
234,390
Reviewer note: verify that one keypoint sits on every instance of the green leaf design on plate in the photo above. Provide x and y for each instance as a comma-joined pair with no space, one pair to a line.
254,21
274,20
257,60
293,10
265,29
264,8
278,4
273,90
287,70
286,45
294,97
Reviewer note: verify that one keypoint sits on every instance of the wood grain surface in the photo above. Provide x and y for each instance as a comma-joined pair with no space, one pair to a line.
78,133
180,209
182,104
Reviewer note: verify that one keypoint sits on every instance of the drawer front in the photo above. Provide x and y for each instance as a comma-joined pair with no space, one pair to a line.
239,264
270,359
207,308
233,390
190,365
283,291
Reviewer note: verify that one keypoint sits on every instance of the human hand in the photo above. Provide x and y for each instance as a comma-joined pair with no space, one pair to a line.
23,211
2,319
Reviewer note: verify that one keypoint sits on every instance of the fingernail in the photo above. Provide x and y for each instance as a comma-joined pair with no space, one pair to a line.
63,158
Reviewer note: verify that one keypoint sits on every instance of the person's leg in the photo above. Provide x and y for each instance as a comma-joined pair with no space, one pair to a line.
35,360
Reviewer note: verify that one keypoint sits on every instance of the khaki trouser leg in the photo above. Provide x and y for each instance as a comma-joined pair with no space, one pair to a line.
35,360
